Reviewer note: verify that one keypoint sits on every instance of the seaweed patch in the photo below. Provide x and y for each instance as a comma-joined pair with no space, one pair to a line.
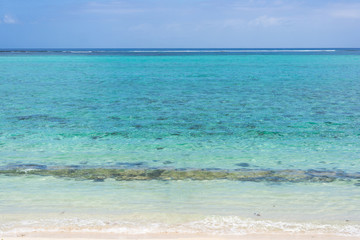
126,174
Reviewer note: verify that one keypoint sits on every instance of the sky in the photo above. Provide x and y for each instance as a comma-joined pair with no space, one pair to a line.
179,23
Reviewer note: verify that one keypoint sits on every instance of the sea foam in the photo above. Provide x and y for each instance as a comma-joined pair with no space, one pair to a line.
216,225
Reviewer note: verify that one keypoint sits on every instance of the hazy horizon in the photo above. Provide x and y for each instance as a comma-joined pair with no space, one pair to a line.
180,24
177,48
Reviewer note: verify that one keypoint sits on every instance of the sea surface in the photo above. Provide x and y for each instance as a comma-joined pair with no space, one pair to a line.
215,141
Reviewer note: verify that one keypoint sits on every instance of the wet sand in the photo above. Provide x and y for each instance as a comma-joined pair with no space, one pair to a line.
164,236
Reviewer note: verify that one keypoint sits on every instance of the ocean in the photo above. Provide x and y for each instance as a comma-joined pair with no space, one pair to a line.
214,141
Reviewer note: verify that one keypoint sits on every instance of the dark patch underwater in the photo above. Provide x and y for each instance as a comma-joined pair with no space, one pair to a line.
133,174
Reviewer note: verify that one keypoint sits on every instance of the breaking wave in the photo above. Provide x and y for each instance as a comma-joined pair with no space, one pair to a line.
216,225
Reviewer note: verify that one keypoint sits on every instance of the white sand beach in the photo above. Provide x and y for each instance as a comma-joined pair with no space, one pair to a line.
102,236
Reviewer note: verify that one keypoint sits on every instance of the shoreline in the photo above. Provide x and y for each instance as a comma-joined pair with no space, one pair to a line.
167,226
174,236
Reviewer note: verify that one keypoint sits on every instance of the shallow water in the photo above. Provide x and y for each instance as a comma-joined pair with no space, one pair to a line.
290,113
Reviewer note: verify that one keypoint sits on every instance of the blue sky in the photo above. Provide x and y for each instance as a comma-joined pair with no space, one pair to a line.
179,23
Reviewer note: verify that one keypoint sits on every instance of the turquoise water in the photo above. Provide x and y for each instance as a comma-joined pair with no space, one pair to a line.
294,112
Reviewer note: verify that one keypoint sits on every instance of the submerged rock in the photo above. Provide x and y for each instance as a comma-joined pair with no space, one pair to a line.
244,164
292,175
126,174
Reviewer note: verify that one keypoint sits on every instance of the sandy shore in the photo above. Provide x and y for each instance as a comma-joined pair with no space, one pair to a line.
104,236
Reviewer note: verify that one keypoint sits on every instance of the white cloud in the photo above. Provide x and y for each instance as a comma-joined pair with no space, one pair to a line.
339,11
346,13
266,21
7,19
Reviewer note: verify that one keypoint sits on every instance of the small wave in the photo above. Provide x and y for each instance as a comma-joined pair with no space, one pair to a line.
77,51
215,225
